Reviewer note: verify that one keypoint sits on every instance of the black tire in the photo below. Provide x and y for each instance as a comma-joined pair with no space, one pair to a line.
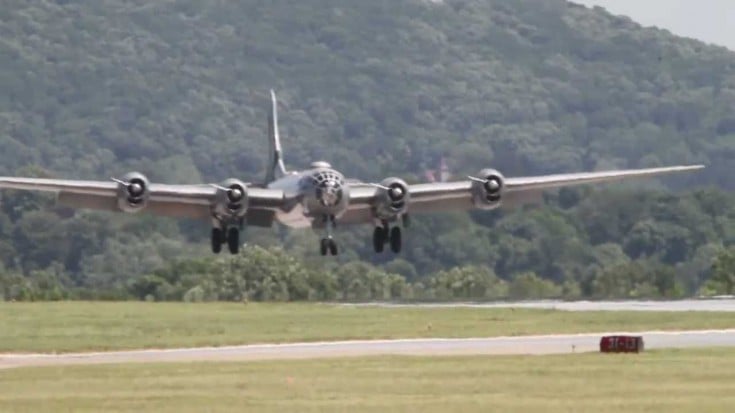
324,246
395,240
332,247
379,239
233,240
216,240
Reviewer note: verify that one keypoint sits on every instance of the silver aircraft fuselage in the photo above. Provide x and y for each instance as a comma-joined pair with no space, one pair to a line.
315,193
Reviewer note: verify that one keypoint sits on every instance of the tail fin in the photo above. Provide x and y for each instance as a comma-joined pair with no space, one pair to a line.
276,168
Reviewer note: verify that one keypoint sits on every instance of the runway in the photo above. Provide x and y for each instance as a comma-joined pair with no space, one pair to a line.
719,305
544,344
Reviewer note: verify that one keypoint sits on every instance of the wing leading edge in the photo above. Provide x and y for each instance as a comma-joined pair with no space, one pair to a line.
458,196
196,201
183,201
556,181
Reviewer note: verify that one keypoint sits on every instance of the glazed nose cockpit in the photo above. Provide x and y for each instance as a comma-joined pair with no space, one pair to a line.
330,193
329,188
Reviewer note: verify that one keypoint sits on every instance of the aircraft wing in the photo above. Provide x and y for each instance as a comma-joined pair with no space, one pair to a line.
458,196
181,201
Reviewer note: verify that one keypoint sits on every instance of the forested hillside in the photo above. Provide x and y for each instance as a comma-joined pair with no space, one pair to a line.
177,90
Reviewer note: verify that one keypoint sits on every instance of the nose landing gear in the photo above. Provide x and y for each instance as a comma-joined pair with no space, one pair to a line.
327,244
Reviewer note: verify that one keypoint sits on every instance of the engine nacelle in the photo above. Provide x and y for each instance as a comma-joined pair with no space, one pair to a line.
487,189
231,199
392,199
132,192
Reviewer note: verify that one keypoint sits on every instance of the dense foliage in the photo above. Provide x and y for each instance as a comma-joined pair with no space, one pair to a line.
608,244
176,89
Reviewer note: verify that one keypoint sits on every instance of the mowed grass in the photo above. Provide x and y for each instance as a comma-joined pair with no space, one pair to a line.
662,381
81,326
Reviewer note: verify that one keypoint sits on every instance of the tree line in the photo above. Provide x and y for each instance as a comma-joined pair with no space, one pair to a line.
585,243
270,274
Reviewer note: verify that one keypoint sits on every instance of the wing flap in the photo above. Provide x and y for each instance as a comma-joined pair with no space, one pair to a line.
154,207
357,214
87,201
178,210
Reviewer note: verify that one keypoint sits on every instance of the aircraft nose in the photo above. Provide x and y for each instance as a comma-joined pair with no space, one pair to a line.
330,193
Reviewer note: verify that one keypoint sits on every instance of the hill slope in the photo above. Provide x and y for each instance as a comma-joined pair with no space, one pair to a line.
177,89
96,87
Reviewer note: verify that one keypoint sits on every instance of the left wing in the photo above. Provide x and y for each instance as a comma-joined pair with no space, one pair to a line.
462,195
181,201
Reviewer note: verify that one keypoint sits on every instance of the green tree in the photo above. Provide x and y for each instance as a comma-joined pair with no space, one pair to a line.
724,270
523,86
529,285
468,282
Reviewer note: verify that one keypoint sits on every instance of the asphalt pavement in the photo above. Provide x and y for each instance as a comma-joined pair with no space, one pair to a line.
544,344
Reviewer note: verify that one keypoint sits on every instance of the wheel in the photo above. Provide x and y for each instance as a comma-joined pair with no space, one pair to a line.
379,239
233,240
216,240
332,247
324,246
395,239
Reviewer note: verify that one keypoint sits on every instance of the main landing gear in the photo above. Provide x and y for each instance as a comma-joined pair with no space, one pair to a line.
226,235
384,234
327,244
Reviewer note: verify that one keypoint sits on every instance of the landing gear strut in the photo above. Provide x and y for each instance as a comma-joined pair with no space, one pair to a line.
395,240
327,244
226,235
384,234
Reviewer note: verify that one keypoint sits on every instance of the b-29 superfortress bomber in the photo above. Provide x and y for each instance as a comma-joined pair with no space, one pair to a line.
319,197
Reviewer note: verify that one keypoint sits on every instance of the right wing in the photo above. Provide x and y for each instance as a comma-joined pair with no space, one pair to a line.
181,201
458,196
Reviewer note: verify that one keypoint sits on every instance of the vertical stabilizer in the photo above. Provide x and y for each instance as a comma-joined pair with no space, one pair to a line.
276,169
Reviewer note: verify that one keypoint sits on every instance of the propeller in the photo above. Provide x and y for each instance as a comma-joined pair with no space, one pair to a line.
395,192
491,184
383,187
234,194
134,188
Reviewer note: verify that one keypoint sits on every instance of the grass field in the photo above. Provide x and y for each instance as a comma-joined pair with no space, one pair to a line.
79,326
663,381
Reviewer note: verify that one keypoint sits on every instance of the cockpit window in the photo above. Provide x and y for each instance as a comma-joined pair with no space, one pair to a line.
325,176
